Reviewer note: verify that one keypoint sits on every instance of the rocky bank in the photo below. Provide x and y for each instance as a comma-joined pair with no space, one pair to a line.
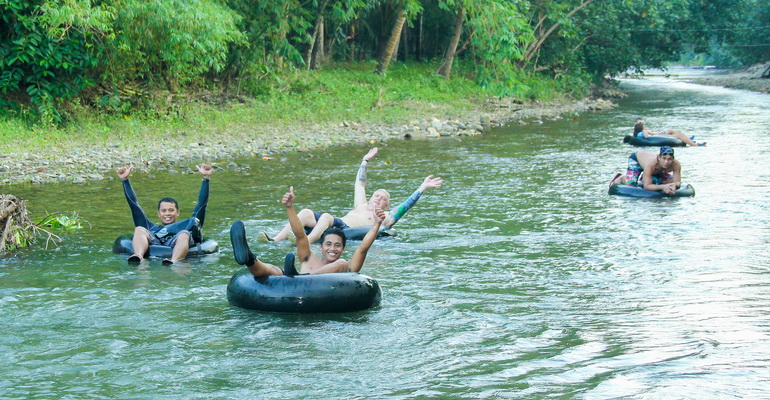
755,78
268,143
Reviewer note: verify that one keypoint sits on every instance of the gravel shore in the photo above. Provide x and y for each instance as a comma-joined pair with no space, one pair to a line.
100,162
747,79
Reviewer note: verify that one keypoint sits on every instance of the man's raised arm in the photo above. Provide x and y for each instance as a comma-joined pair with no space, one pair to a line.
303,244
359,189
357,261
203,196
398,212
138,215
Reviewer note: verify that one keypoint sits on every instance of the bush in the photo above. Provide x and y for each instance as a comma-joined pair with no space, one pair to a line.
48,53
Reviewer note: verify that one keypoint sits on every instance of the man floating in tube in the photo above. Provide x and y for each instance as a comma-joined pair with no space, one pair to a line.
361,215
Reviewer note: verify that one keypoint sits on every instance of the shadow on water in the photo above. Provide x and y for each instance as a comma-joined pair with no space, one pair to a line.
520,278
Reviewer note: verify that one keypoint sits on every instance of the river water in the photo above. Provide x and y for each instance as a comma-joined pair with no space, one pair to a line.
520,278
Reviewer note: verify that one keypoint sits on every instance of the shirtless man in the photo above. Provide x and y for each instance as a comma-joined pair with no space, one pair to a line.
641,131
361,215
180,235
661,171
332,245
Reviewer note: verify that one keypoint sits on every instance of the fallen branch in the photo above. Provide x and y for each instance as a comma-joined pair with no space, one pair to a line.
17,229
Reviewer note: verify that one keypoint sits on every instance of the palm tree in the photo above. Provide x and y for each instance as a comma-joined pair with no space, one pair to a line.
445,69
392,44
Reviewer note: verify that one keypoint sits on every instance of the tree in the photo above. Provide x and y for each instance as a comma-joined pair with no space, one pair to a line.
48,51
548,17
499,34
578,37
392,43
622,35
333,16
274,31
445,68
403,8
171,42
736,27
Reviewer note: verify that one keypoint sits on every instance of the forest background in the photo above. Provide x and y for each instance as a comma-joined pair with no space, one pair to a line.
80,73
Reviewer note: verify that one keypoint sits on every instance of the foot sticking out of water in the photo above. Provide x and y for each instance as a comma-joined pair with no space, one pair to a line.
614,180
263,237
288,265
241,251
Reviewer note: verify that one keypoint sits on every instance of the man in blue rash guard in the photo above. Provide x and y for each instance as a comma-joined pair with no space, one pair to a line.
180,235
361,215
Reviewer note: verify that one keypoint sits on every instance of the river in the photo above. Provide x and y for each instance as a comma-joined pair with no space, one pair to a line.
520,278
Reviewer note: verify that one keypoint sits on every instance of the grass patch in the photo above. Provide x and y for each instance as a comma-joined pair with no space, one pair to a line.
292,98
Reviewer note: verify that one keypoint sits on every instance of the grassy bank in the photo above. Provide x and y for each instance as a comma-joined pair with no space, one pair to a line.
275,101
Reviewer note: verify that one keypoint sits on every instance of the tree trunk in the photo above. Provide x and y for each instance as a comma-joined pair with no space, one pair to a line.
382,33
390,48
351,38
398,46
419,38
318,54
309,54
281,37
329,46
404,47
534,47
309,60
283,27
445,69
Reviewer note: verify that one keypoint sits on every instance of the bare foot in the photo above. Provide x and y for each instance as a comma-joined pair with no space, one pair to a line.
615,179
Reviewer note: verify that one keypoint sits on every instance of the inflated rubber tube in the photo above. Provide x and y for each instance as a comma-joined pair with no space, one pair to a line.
123,245
359,232
317,293
685,190
654,140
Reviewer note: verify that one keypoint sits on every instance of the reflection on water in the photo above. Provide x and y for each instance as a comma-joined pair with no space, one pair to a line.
520,278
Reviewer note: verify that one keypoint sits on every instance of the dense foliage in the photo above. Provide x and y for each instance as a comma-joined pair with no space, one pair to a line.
119,54
49,52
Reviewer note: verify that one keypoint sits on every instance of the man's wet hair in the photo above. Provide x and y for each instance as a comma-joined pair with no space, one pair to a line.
383,191
335,231
168,200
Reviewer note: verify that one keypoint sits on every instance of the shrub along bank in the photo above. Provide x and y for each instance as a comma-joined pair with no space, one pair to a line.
298,110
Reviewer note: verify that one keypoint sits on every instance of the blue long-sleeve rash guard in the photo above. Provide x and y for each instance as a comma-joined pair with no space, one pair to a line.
192,224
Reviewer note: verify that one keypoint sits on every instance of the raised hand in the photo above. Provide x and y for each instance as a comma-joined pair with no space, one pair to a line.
288,198
431,182
370,154
205,170
379,215
124,172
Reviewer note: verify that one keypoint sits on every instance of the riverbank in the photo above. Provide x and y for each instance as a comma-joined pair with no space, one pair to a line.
80,161
747,79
